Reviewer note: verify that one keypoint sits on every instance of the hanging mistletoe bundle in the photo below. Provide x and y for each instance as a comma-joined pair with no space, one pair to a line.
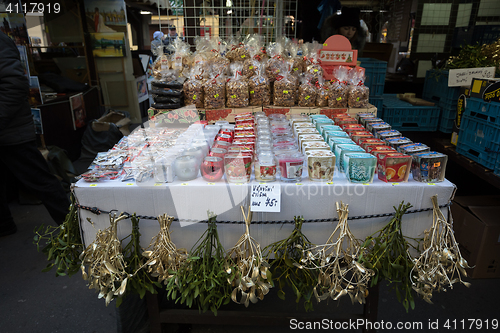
203,278
441,264
163,256
252,277
62,245
286,268
336,261
139,281
387,254
106,265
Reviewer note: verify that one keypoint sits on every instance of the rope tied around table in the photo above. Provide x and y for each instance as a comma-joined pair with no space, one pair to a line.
98,211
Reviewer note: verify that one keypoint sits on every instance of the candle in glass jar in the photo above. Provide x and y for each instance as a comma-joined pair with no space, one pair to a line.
212,168
238,167
186,167
291,166
265,167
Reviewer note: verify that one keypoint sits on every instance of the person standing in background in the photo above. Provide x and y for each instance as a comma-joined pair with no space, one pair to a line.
157,44
347,24
19,155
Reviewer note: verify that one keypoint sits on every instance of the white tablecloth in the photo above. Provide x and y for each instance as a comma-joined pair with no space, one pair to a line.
190,201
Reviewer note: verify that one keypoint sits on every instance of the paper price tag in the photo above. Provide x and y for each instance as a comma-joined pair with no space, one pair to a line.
251,67
216,95
366,184
437,164
194,96
210,183
129,184
315,70
252,92
242,56
298,184
394,184
92,185
329,183
184,184
158,184
285,91
431,184
307,97
233,96
265,198
325,44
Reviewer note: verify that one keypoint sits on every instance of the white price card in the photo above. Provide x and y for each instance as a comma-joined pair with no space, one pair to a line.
265,198
463,76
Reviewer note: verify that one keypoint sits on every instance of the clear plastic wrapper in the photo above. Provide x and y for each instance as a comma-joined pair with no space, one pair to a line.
275,63
193,88
307,92
181,58
296,62
214,92
358,93
161,64
285,89
237,52
323,89
237,89
338,91
314,68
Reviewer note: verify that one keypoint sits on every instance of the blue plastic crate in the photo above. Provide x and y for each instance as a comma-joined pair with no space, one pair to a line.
448,115
479,109
436,88
378,103
375,71
404,116
479,140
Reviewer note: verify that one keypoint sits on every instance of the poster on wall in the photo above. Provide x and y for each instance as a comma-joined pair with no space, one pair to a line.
24,60
35,96
142,88
106,16
14,26
37,119
77,110
108,44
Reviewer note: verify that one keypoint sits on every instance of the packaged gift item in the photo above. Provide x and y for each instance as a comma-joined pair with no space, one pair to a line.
314,63
429,167
259,87
360,167
238,167
290,166
315,145
274,65
337,93
237,51
193,87
214,92
323,89
307,92
342,149
237,89
181,58
378,127
398,141
364,142
385,135
296,61
284,90
393,167
370,120
320,165
265,166
413,148
334,141
218,50
358,92
361,116
161,64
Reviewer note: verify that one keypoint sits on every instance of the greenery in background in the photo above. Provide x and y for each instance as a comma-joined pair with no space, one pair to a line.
202,280
62,244
286,266
386,253
475,56
139,281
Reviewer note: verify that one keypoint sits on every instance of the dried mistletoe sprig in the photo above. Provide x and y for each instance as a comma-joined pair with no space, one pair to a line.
286,268
387,254
441,260
336,261
162,254
203,278
139,281
105,261
62,245
252,277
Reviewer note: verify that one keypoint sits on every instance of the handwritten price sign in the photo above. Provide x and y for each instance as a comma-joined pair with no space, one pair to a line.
265,198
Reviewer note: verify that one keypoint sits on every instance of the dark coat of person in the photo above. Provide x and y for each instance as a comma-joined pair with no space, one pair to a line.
16,121
349,17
